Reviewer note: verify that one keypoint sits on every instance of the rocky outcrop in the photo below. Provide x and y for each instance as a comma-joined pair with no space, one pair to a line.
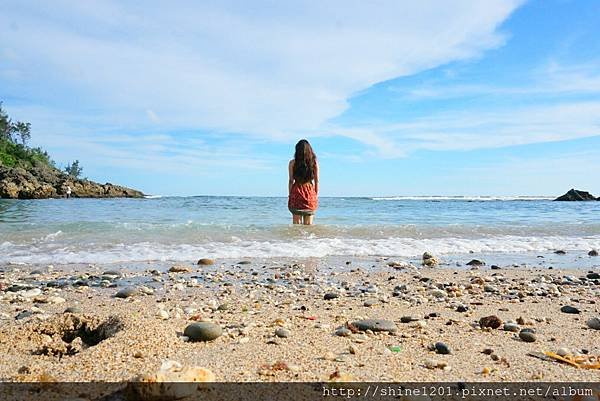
576,195
42,182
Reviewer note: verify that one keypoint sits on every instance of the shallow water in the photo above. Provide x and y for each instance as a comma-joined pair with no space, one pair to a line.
182,228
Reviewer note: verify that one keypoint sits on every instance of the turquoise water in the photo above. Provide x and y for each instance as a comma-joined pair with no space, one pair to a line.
181,228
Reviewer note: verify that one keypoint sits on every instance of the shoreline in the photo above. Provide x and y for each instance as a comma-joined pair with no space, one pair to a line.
251,301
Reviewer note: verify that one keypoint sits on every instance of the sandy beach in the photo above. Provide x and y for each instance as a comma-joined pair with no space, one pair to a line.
281,320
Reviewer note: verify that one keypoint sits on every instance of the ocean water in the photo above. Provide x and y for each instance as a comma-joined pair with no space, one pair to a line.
57,231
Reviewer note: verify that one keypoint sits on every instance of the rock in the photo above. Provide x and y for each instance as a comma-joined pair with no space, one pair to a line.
527,336
593,252
43,181
370,302
570,309
244,262
171,382
512,327
563,351
343,332
593,276
206,262
492,321
180,269
162,314
462,308
576,195
430,260
282,332
594,323
475,262
127,292
560,252
203,331
442,348
408,319
330,295
375,325
73,309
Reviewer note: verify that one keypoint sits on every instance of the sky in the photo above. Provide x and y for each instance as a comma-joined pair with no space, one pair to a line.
495,97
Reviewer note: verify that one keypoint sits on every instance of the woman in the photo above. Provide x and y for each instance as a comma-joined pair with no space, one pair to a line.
303,184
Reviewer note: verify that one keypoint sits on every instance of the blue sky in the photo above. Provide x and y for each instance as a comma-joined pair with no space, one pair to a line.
199,98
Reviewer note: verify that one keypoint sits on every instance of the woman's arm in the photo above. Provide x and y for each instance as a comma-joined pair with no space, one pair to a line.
317,178
290,176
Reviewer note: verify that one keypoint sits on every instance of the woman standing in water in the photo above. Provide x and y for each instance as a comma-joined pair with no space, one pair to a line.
303,184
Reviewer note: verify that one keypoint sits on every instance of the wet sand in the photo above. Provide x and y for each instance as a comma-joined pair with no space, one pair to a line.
117,339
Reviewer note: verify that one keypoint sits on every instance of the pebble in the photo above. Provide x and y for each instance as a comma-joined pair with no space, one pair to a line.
438,293
563,351
162,314
527,336
594,323
475,262
512,327
73,309
462,308
180,269
127,292
34,292
492,321
369,302
375,325
330,295
570,309
442,348
343,332
408,319
206,262
593,276
203,331
282,332
593,252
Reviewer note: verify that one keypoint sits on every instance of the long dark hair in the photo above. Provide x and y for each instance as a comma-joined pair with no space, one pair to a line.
305,162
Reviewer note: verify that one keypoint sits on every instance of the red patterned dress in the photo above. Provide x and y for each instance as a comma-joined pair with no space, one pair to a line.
303,199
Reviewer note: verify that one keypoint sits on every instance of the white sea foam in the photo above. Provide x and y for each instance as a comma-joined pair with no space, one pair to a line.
464,198
310,247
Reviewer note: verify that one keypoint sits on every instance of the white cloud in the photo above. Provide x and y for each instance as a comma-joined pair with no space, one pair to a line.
274,69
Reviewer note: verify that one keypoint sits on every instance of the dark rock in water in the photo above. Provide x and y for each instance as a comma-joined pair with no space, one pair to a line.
462,308
331,295
73,309
593,276
495,267
593,252
569,309
560,252
375,325
244,262
442,348
203,331
576,195
475,262
492,321
527,336
127,292
206,262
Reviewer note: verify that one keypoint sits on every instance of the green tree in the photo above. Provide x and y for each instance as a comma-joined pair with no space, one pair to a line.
73,169
23,130
5,125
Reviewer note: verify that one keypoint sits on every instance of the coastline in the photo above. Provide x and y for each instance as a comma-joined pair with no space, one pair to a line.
250,301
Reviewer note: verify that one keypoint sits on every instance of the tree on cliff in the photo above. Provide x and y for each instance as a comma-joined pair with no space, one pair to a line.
73,169
14,151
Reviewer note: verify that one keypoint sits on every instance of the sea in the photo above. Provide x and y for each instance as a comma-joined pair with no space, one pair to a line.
502,230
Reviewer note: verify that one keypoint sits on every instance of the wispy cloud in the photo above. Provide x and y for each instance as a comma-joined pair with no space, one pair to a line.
273,70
